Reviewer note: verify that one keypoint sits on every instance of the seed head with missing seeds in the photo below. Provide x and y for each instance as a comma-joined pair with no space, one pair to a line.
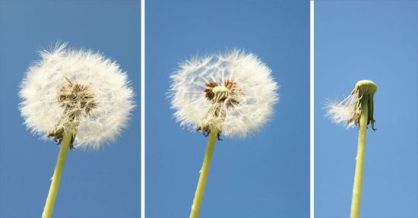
347,111
232,92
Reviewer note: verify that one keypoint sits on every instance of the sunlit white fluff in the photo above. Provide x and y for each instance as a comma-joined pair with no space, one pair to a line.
345,112
244,110
109,85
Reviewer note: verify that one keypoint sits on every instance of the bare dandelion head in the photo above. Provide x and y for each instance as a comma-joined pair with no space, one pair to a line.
76,91
348,111
232,93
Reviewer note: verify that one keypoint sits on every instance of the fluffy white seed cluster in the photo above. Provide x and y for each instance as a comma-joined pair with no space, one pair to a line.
345,112
233,92
78,91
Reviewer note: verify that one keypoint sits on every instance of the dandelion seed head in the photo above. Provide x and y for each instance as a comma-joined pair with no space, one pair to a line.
78,91
231,92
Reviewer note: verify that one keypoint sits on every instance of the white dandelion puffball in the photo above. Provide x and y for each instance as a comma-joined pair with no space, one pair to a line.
348,111
232,92
77,91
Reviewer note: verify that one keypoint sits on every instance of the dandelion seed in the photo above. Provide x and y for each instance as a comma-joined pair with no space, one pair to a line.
77,91
232,92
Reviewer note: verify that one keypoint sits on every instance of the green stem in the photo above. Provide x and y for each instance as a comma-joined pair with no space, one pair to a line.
56,179
356,200
194,213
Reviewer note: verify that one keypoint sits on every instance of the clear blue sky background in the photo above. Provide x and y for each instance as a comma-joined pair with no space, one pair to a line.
265,175
95,183
375,40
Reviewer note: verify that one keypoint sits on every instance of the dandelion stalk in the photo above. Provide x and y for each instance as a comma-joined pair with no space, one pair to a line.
204,172
358,178
56,178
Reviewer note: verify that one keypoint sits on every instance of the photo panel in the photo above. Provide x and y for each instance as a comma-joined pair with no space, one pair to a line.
366,108
227,87
70,74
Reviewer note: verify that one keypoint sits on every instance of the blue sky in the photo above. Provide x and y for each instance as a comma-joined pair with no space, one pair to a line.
265,175
375,40
98,184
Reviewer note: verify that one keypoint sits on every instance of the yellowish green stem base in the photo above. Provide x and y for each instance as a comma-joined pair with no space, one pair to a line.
56,179
194,213
358,178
